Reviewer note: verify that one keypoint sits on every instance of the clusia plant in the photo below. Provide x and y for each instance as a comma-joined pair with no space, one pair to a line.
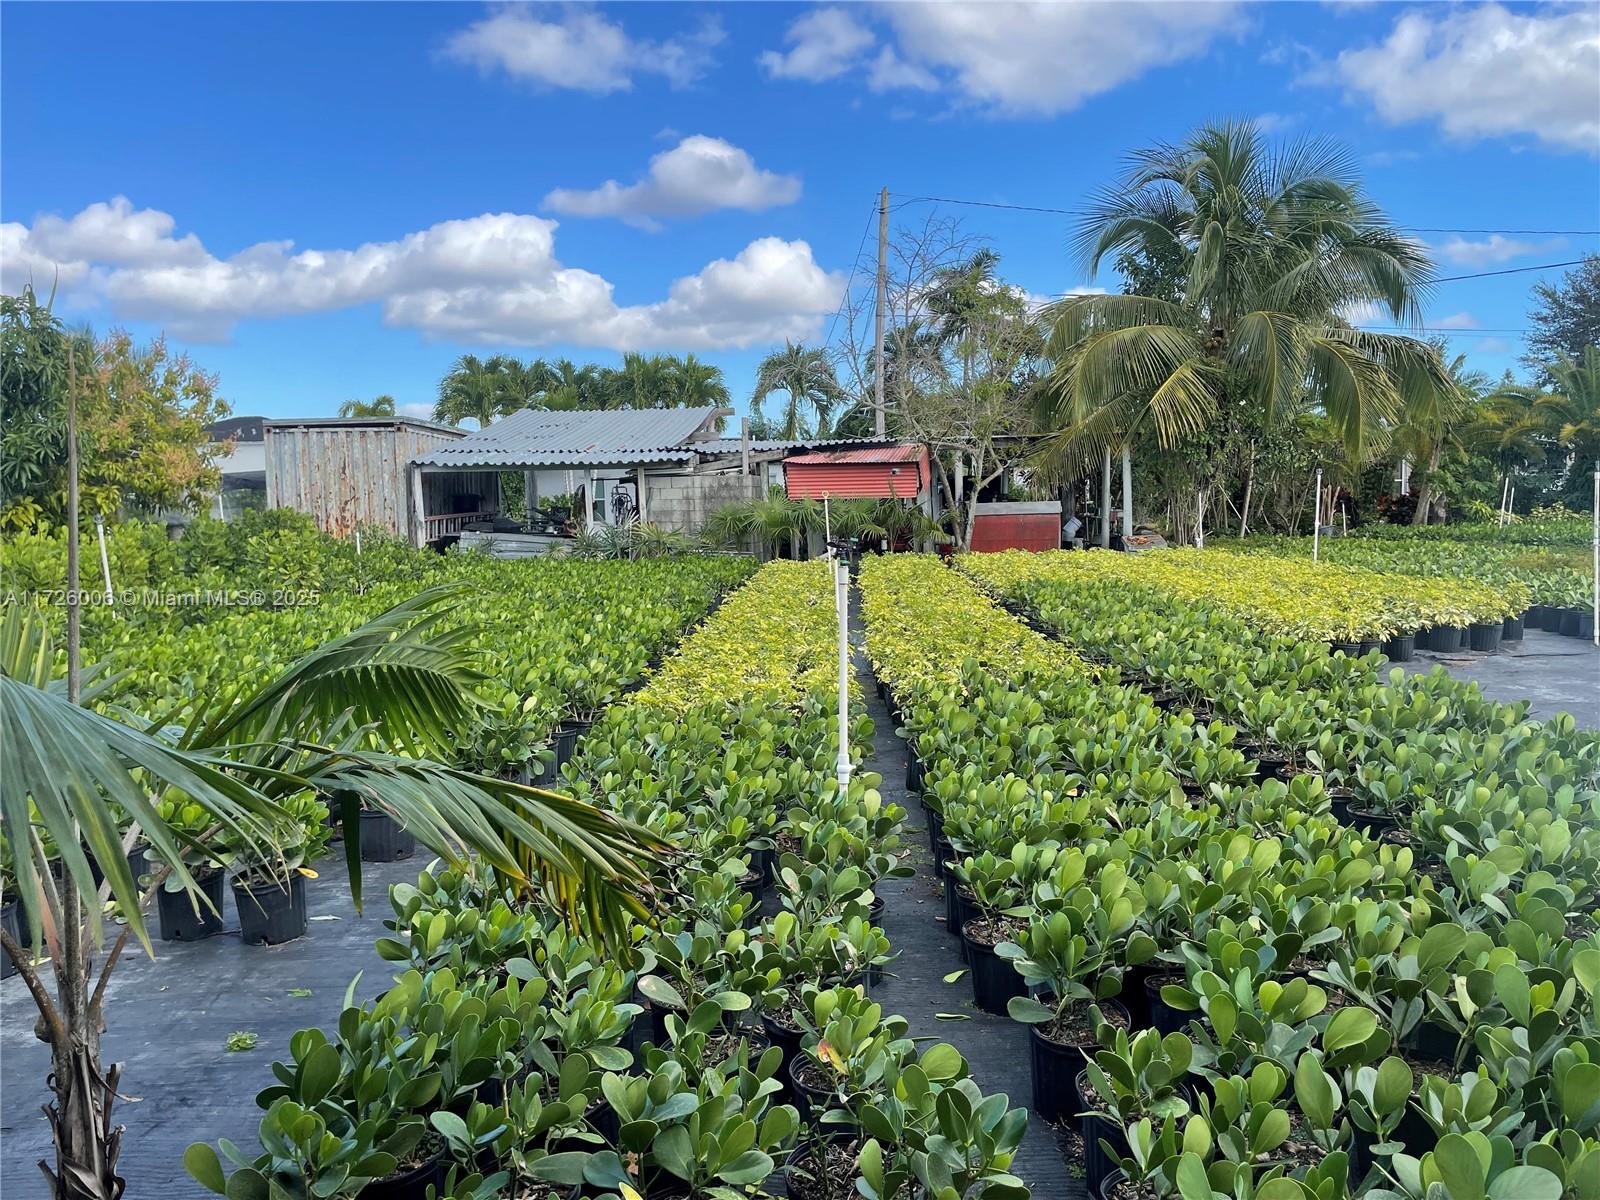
398,682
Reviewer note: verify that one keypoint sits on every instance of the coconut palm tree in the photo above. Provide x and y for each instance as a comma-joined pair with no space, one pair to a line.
959,298
807,379
1517,426
1277,246
399,683
378,406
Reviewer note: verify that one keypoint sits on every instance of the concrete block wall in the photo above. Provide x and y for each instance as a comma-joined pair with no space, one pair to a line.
683,502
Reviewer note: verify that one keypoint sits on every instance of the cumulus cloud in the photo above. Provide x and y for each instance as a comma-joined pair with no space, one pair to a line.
1460,320
1487,71
493,278
698,175
580,49
1011,58
1496,248
822,44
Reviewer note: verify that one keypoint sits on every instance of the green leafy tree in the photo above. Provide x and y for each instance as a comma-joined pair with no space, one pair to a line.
1275,246
1565,318
806,378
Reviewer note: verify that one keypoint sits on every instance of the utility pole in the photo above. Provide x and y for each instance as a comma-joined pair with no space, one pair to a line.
883,300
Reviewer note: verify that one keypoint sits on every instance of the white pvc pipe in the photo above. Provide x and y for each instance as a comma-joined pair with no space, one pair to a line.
1316,519
1505,491
105,562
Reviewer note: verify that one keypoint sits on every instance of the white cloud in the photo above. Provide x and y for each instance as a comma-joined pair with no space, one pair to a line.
493,278
1497,248
1276,122
889,72
698,175
580,49
1486,71
1365,312
1460,320
1009,57
1493,345
1046,58
823,44
422,410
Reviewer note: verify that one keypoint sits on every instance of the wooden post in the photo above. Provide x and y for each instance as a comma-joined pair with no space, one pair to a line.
419,510
744,445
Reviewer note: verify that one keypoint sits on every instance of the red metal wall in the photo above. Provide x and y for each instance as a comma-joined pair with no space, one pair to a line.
1016,531
841,480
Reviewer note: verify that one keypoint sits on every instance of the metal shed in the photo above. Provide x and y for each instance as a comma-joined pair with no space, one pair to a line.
350,473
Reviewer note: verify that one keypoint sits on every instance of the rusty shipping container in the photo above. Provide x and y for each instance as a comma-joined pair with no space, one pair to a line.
351,473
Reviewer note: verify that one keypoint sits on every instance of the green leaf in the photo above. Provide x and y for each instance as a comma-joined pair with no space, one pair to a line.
1029,1011
941,1062
1349,1027
1191,1178
201,1161
1525,1183
955,975
1459,1167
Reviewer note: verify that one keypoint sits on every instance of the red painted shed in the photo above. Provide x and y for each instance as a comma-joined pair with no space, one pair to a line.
879,473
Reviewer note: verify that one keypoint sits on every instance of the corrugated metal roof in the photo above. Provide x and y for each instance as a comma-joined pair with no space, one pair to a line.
556,439
905,452
772,445
362,423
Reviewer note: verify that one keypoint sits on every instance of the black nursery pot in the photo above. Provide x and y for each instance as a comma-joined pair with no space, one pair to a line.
1485,636
11,921
1348,649
383,839
181,920
412,1184
958,910
566,738
994,981
943,852
1097,1163
1585,625
1162,1015
787,1041
914,771
1449,638
1369,645
1537,616
1400,648
269,912
1511,629
1339,806
1378,823
1055,1069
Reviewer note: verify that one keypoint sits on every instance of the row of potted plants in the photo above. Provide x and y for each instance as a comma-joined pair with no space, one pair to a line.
1228,987
1319,602
726,1041
1558,578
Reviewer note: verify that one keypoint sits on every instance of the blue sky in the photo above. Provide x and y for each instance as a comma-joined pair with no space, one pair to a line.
326,201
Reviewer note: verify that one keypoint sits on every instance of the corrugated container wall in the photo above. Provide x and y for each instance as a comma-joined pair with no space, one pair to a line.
347,476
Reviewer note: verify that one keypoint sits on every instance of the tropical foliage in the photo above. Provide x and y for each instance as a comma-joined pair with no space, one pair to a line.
484,390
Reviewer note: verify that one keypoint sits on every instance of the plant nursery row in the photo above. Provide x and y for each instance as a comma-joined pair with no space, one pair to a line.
730,1049
1559,579
1275,926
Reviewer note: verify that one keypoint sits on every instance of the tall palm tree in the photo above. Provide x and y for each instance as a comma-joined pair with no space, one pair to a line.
400,683
1577,388
806,377
697,384
1428,428
482,390
1517,426
1276,246
958,299
643,381
378,406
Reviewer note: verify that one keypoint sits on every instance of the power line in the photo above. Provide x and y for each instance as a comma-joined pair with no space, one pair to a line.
1068,212
1509,271
849,283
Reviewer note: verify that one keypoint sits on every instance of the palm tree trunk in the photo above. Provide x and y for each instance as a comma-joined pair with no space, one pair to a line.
1425,492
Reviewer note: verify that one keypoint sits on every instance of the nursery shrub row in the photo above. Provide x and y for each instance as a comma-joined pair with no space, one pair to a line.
730,1040
1233,992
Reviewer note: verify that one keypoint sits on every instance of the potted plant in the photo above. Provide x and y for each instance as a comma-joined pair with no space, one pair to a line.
183,917
1064,958
1127,1080
270,894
